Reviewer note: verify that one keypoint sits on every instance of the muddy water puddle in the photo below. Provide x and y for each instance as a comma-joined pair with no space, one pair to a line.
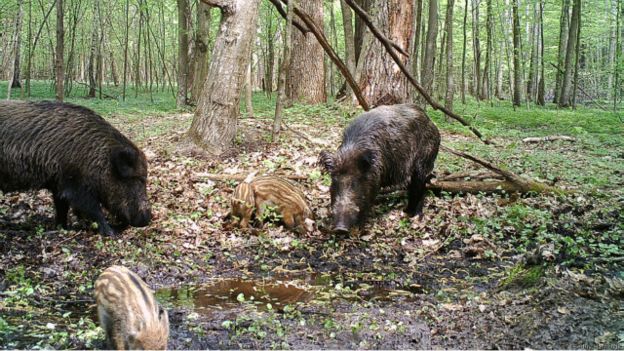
279,291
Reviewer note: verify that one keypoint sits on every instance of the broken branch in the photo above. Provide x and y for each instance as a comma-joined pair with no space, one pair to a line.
547,138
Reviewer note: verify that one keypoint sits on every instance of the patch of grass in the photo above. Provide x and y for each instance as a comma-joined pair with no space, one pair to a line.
523,277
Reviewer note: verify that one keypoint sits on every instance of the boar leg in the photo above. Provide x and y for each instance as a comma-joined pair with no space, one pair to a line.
62,208
415,196
91,209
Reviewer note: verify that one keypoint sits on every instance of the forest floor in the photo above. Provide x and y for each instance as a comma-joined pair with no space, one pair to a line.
476,271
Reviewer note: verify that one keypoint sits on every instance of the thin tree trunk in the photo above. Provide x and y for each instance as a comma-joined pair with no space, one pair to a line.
125,63
565,99
517,93
59,63
214,124
563,43
619,9
450,87
476,45
485,85
533,40
541,86
137,63
183,51
577,58
249,89
281,82
349,42
463,64
15,69
332,23
417,41
429,57
92,53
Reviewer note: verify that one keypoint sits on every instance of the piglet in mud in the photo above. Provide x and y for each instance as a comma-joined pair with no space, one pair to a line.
84,161
389,146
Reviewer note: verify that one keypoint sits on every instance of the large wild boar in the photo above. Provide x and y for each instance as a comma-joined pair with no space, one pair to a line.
389,146
84,161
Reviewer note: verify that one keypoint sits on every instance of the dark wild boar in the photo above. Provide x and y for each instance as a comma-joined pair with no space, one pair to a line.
254,195
389,146
128,312
84,161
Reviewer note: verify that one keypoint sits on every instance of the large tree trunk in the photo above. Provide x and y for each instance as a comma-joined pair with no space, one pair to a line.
360,29
214,124
563,44
60,46
394,17
450,86
281,83
201,50
517,93
305,81
184,14
17,43
428,63
565,98
349,42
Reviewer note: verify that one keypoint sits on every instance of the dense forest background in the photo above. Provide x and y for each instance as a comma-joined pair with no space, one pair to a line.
530,51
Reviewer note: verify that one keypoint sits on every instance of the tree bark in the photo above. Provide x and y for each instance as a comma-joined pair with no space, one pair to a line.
517,93
305,80
17,43
489,48
378,76
360,29
417,38
281,83
542,80
201,49
349,42
463,64
476,45
125,63
60,46
565,99
563,43
215,121
450,87
92,54
428,63
184,14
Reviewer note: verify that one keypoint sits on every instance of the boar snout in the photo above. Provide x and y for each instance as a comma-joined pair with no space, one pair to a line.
143,219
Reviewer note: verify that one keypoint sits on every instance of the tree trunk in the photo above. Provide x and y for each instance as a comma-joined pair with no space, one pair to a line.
183,52
391,87
450,87
565,99
485,85
417,39
349,42
541,85
476,45
463,64
533,41
92,54
281,82
215,120
60,45
201,49
125,63
17,43
249,89
305,80
360,29
517,93
563,43
428,62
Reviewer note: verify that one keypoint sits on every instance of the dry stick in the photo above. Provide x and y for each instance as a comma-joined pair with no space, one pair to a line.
548,138
387,43
198,177
320,37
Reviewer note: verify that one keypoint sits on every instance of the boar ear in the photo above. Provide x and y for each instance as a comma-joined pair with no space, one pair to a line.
366,160
124,161
326,159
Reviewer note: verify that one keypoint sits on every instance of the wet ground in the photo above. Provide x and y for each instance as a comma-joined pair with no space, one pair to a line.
476,271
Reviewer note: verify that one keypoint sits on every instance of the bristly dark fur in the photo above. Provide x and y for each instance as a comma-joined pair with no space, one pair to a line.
77,155
389,146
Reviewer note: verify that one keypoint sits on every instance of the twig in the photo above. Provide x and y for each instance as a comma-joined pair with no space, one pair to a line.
387,43
198,177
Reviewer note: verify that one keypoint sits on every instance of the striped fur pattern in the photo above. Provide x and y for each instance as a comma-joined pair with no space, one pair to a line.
254,197
129,313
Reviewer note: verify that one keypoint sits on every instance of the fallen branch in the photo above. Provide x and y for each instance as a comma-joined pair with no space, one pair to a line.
547,138
474,187
304,136
521,184
387,43
320,37
471,175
